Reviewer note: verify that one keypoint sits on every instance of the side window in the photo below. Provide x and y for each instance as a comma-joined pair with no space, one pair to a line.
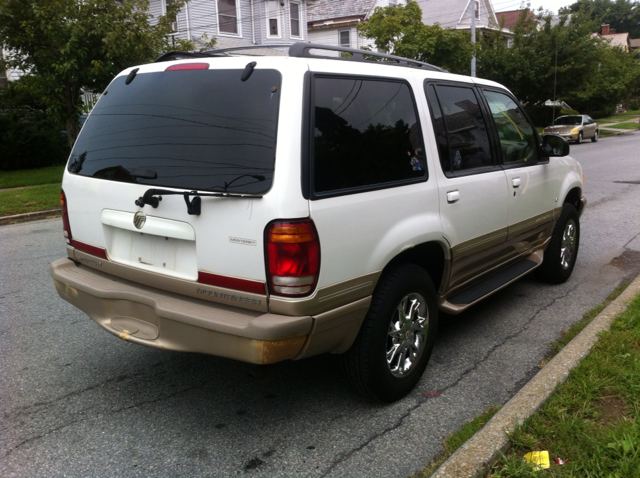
345,38
461,131
227,16
273,18
294,13
366,134
517,137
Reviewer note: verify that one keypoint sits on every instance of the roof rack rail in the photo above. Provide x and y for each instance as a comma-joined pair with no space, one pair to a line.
184,55
302,50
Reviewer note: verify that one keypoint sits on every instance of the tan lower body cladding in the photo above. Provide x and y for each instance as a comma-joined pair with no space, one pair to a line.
160,319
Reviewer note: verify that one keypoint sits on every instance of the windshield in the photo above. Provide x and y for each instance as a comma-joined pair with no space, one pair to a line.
569,120
186,129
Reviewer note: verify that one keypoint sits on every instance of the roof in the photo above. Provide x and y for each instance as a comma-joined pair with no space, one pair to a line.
634,43
511,17
325,10
618,39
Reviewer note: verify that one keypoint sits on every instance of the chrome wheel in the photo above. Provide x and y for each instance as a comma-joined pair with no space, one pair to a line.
407,334
568,245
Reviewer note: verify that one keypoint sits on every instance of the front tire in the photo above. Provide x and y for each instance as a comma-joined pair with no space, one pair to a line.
594,138
579,140
393,346
560,256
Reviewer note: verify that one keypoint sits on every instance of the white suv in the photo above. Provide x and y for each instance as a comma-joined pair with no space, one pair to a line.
268,208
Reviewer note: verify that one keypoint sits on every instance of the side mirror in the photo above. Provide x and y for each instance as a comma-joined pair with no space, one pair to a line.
554,145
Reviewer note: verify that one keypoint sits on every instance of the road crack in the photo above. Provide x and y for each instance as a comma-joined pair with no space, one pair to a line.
422,400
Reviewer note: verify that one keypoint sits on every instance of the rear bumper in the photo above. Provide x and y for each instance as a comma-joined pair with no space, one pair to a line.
156,318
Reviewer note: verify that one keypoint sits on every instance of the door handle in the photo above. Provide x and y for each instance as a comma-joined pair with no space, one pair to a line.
453,196
515,182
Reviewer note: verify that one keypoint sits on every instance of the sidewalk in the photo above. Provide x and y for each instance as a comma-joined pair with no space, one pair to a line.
480,452
30,216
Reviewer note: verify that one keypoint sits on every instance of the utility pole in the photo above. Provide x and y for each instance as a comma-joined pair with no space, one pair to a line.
473,36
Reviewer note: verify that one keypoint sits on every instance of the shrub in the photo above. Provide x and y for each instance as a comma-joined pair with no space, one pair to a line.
29,138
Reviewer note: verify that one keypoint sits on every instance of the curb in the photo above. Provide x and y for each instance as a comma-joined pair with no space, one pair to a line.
474,458
30,216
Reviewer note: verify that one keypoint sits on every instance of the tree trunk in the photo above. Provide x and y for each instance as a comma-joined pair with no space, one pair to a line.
73,130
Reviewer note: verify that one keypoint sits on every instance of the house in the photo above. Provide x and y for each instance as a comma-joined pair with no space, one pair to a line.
509,19
334,23
620,40
457,14
239,22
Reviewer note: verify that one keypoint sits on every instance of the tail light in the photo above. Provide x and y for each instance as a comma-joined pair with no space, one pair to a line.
293,258
65,218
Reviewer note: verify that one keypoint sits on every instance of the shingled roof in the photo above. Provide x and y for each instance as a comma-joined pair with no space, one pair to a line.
328,9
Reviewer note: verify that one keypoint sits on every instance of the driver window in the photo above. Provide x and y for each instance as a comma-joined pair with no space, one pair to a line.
517,136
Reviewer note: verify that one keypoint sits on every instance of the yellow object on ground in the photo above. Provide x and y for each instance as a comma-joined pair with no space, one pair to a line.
538,458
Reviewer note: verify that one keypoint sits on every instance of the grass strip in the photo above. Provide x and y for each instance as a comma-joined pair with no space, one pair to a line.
36,198
625,126
31,177
456,440
591,421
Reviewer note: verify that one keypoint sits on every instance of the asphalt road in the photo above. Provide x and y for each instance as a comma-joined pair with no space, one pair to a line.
77,401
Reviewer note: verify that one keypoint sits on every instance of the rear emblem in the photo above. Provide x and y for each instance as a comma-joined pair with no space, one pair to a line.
139,219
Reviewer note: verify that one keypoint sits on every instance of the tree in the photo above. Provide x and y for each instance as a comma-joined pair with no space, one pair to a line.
400,31
66,45
591,75
622,15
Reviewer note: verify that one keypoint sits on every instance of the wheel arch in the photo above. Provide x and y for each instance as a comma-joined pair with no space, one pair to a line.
429,255
574,196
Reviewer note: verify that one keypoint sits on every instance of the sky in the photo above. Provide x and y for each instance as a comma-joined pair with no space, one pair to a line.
553,5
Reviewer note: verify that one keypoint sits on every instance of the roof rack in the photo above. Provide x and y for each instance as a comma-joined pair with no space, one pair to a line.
303,50
184,55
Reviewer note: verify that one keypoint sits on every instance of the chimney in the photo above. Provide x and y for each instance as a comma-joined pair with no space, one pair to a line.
605,29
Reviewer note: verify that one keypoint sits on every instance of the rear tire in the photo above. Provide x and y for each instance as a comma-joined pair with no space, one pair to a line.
594,138
560,256
393,346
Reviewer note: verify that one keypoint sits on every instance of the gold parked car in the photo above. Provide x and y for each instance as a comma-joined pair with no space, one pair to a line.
574,128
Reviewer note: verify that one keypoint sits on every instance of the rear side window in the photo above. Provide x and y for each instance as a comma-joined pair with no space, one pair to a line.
366,135
187,129
460,128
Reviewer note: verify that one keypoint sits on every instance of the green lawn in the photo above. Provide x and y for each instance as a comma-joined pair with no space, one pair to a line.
31,177
591,421
625,126
36,198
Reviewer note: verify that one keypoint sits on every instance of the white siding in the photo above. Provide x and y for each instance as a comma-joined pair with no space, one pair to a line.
331,36
448,13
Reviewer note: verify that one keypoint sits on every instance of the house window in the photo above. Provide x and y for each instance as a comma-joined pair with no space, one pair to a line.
174,23
228,16
477,9
294,14
273,18
345,38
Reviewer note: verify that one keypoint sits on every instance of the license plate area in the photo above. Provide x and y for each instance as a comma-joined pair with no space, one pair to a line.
156,252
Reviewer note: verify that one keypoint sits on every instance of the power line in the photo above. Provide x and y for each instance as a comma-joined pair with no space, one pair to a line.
261,16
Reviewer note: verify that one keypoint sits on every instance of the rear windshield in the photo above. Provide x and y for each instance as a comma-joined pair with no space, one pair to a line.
186,129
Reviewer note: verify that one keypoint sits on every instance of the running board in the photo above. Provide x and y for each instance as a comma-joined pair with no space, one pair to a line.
466,298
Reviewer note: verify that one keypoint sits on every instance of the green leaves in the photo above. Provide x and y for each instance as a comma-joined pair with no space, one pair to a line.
66,45
400,31
591,76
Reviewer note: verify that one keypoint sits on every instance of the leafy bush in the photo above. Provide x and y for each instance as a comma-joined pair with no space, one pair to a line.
29,138
634,105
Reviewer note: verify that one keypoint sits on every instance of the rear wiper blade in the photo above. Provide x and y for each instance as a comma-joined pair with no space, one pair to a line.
152,197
